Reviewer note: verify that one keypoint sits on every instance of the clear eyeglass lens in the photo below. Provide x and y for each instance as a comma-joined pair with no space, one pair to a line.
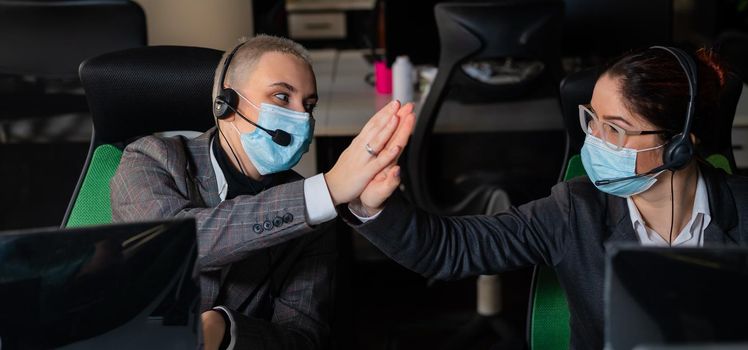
590,125
610,135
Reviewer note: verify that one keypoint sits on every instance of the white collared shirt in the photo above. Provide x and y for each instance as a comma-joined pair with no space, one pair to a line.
692,234
319,206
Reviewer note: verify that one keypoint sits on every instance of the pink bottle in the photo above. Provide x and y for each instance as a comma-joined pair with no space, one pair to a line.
383,76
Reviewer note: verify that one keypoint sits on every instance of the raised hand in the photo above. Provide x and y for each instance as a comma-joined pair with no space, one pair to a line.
383,184
368,154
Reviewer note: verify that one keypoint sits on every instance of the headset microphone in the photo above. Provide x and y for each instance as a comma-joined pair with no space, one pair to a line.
280,137
618,179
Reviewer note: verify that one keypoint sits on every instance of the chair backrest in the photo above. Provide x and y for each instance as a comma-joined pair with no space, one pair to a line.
133,93
51,38
476,31
733,48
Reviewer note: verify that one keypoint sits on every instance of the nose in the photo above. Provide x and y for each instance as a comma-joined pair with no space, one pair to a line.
297,105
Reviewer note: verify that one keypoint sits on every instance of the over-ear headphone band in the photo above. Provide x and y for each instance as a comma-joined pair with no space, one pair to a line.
226,64
679,149
225,96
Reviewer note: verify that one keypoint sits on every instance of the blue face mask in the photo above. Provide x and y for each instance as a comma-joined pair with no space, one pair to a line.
267,156
601,163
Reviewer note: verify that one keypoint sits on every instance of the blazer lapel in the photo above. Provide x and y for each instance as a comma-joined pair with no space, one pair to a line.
722,230
619,222
205,177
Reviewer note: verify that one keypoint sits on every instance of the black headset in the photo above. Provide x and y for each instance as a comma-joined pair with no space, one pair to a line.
227,101
679,149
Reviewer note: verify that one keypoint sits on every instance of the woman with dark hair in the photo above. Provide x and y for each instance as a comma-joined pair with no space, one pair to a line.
644,185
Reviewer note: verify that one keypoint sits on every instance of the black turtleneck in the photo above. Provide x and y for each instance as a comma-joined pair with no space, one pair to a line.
240,184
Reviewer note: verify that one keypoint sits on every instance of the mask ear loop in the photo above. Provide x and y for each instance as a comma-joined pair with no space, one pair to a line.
241,168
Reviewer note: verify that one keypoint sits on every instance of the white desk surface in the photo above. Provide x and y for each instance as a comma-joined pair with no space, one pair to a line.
350,102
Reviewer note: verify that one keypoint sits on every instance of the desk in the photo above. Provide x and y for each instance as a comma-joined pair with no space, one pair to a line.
352,102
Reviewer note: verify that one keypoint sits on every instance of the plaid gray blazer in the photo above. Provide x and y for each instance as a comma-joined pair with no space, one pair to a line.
257,255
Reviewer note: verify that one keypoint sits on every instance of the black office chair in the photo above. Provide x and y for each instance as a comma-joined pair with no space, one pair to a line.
133,93
521,39
732,46
42,43
479,32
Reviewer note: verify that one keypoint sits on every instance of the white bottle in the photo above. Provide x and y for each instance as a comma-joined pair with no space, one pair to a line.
402,80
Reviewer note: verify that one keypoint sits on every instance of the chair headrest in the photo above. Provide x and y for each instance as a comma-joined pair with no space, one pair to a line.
140,91
576,89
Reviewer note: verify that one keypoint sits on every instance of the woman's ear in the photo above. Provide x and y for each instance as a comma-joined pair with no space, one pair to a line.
229,118
694,140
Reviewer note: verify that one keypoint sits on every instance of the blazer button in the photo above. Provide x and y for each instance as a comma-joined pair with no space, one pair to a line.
277,221
288,218
257,228
267,225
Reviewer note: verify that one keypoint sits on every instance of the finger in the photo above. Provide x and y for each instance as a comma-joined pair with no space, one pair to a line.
380,118
381,188
403,132
406,109
383,135
383,160
391,182
381,176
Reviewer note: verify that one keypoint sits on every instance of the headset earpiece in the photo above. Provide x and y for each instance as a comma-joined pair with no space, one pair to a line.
226,100
678,152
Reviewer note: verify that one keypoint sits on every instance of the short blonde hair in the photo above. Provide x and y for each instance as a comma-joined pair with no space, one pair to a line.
249,53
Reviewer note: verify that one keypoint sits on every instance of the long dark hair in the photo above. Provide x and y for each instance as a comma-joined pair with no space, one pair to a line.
655,86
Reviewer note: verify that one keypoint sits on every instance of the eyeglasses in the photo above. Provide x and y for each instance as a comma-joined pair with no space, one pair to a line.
612,135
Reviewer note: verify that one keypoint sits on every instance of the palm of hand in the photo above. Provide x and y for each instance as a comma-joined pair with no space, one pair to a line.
384,184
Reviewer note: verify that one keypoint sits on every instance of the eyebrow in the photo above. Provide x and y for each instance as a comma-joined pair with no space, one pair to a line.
290,88
613,117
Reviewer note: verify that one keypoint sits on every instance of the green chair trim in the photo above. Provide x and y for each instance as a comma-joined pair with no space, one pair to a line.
92,205
720,162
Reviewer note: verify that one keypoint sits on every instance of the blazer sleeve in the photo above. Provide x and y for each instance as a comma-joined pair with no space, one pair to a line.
448,248
151,183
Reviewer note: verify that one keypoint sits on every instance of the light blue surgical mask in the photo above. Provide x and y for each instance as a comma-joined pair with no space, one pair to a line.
267,156
603,163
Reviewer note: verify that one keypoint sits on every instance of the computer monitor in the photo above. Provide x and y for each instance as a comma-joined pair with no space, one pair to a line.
410,29
592,28
676,297
59,286
609,28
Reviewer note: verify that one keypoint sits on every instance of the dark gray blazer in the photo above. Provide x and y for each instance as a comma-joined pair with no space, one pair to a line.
567,230
278,287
